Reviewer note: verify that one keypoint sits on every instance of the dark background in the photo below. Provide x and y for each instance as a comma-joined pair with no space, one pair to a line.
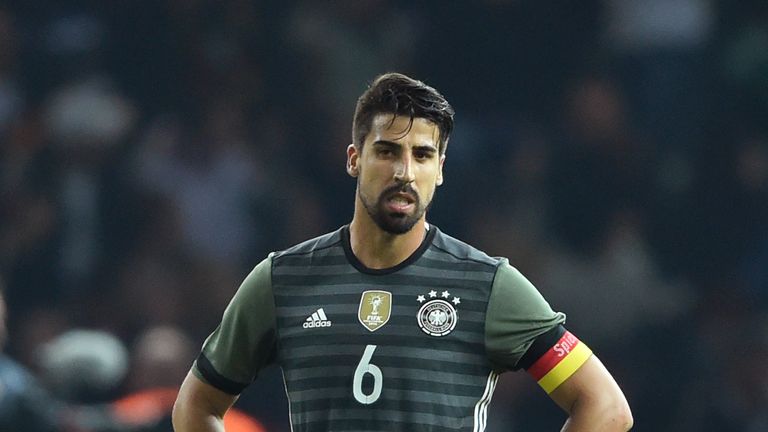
152,152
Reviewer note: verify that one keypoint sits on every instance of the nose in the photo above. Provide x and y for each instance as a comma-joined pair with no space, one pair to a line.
404,169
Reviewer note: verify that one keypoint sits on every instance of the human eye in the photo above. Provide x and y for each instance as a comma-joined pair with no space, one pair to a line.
385,150
422,154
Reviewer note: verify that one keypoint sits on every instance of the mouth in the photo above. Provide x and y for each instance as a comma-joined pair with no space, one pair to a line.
401,202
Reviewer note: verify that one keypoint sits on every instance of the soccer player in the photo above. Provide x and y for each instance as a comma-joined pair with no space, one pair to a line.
389,324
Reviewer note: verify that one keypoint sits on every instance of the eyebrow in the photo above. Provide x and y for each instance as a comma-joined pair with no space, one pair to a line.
392,145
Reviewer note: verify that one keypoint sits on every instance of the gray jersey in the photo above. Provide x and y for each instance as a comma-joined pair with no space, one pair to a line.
416,347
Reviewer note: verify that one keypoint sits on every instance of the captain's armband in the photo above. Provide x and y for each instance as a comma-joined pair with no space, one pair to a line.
554,357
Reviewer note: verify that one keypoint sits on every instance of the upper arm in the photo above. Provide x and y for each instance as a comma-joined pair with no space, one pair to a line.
593,400
591,381
523,332
200,406
198,393
245,340
578,382
231,356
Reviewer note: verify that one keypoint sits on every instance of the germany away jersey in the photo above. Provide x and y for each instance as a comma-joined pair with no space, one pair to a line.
416,347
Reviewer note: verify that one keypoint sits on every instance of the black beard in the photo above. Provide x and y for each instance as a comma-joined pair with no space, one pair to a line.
394,223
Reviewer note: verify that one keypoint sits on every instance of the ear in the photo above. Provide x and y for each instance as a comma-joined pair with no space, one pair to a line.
353,156
440,171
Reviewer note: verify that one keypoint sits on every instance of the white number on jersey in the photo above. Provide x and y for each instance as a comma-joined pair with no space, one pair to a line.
365,367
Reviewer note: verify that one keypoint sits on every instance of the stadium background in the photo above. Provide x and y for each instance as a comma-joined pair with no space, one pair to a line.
616,150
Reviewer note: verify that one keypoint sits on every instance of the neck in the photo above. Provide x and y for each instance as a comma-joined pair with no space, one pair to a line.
378,249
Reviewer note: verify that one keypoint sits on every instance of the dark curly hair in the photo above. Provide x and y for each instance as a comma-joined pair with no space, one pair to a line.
398,94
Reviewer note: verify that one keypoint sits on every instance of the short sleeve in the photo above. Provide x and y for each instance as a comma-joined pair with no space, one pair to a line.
517,314
245,340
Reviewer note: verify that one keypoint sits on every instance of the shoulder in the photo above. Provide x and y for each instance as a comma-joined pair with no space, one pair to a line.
323,242
454,249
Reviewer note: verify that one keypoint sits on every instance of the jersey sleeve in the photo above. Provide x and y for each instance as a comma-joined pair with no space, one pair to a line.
517,314
245,340
523,332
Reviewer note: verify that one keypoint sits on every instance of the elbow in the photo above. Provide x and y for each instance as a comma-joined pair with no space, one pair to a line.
621,415
609,414
625,419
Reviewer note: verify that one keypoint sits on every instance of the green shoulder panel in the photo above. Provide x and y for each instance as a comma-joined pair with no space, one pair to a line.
244,341
517,315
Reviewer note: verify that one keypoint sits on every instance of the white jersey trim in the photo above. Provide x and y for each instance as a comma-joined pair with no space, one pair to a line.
481,407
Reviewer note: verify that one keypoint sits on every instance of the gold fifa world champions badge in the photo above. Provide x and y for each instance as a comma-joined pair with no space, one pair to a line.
375,309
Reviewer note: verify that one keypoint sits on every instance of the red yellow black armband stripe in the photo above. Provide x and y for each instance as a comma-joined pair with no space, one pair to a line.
559,362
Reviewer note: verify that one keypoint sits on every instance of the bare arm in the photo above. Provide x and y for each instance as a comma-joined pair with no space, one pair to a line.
200,407
593,400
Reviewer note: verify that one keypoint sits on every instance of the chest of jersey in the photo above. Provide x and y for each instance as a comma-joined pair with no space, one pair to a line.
397,351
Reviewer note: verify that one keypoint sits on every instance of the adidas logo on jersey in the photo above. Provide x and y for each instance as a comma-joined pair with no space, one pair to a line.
317,319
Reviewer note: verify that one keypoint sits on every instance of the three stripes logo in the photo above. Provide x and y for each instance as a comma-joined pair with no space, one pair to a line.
317,319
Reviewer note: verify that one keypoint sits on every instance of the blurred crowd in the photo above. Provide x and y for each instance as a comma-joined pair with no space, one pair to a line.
152,152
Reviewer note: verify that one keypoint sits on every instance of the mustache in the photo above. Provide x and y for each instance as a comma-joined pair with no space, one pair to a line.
400,188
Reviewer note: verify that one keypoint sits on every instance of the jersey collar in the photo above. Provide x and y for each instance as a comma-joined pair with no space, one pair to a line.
362,268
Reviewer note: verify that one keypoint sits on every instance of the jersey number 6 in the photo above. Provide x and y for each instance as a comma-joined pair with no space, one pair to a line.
365,367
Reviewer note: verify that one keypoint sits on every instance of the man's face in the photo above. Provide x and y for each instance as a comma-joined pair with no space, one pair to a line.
397,173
